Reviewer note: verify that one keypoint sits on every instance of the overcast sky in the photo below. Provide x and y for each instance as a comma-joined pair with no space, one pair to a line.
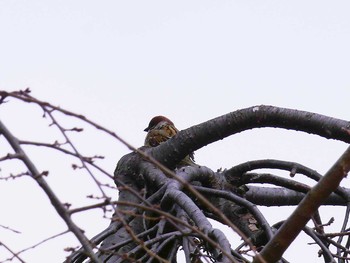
122,62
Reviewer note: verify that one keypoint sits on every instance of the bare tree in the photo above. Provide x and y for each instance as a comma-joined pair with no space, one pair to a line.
164,208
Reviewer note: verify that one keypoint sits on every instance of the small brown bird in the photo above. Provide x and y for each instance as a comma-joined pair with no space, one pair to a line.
161,129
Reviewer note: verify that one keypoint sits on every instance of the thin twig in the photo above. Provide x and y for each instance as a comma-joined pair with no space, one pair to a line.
60,208
15,255
10,229
42,242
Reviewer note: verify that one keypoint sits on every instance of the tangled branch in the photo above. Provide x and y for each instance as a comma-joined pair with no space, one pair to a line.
164,207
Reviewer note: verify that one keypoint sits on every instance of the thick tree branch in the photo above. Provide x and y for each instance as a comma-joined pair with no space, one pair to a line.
194,138
278,196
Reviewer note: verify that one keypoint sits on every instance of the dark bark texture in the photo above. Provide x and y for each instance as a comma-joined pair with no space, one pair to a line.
164,207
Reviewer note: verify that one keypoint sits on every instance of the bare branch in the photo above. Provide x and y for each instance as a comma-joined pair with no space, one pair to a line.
176,148
286,234
15,255
279,196
161,208
10,229
42,242
36,175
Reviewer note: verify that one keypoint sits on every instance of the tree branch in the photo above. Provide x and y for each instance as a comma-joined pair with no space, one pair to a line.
194,138
274,249
37,176
278,196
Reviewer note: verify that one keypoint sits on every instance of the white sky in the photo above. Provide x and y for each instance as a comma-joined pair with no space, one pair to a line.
122,62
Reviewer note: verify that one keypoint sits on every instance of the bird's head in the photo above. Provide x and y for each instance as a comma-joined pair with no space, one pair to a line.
155,121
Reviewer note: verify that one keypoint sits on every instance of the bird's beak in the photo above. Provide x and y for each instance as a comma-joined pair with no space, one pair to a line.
146,130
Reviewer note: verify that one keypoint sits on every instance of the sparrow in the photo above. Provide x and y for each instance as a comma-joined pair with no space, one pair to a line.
161,129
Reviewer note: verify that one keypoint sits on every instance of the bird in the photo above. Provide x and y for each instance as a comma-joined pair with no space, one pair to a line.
161,129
